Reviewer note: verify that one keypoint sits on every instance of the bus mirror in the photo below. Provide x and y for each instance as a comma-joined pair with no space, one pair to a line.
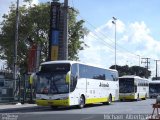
68,77
31,78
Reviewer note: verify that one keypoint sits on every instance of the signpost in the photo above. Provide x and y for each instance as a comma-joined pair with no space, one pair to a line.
54,31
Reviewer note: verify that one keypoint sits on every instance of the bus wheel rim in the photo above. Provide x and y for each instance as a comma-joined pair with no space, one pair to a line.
81,102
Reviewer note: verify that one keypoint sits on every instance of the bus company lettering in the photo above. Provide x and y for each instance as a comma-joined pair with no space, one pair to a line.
103,85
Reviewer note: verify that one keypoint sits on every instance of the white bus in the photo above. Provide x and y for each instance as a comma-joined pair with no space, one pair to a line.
154,88
68,83
133,88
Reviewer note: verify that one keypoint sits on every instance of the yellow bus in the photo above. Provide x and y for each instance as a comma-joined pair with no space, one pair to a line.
68,83
133,88
154,88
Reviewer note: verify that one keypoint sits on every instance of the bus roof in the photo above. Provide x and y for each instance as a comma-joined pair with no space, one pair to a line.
133,76
72,62
59,61
155,82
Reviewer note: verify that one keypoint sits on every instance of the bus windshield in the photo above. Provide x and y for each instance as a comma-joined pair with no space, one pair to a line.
154,88
51,79
126,85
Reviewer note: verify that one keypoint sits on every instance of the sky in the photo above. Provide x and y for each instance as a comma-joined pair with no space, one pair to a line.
137,30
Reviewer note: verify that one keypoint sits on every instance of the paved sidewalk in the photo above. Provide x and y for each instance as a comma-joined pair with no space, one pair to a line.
12,107
17,105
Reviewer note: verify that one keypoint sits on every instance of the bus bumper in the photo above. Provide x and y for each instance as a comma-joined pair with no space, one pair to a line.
53,102
128,97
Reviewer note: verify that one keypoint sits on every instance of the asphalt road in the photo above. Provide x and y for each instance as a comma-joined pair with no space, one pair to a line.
136,110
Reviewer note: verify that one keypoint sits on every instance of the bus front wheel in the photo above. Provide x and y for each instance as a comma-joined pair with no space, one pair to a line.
138,98
81,102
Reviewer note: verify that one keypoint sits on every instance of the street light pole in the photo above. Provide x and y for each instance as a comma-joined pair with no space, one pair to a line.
15,47
114,22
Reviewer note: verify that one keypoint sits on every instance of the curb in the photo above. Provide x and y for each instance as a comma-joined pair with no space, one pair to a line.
19,109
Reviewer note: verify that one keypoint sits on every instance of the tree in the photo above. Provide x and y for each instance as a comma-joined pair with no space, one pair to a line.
76,32
34,22
134,70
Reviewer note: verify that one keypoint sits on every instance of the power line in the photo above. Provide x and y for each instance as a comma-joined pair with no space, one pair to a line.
105,43
110,42
111,46
120,48
108,46
107,37
147,62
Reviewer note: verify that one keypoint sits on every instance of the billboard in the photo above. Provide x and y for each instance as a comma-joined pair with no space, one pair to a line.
54,31
32,59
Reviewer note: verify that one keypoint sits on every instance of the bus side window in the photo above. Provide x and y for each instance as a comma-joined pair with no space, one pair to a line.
114,78
74,76
82,71
111,76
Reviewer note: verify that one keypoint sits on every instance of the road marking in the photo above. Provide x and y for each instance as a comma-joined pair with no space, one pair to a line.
87,118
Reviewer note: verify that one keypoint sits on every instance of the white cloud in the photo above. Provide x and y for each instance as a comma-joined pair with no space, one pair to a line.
132,40
120,26
138,32
35,2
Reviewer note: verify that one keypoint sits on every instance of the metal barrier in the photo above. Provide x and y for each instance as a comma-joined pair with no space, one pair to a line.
6,90
24,91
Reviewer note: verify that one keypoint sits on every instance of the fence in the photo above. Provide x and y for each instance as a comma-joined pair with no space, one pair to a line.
24,91
6,90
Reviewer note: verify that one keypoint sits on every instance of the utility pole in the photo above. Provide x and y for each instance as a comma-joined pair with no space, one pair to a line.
147,64
15,48
156,68
114,22
65,37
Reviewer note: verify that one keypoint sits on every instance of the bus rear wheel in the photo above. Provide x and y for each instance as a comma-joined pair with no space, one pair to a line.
109,100
145,97
138,98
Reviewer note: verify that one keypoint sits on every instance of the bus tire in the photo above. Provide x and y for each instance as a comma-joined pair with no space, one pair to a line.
145,97
109,100
138,97
121,100
81,102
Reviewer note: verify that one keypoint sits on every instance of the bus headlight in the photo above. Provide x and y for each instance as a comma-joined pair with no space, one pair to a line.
64,98
38,97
